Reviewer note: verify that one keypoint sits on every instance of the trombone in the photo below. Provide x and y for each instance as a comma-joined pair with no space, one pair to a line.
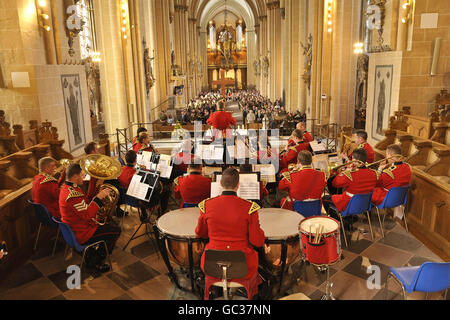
385,159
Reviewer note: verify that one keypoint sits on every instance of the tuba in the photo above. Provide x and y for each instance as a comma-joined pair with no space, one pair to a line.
104,168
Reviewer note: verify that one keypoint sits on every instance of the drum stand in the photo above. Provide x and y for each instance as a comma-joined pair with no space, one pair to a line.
144,221
328,294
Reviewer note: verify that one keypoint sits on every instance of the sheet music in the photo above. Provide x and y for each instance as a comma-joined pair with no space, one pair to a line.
231,151
217,153
243,178
247,190
164,167
267,172
317,147
137,189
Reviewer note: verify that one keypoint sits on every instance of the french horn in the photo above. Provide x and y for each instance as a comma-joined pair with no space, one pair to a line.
104,168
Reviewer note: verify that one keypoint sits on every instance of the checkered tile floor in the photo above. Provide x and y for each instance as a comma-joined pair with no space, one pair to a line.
140,274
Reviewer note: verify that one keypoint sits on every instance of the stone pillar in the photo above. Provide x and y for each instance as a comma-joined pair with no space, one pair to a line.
263,53
251,56
204,57
181,39
274,36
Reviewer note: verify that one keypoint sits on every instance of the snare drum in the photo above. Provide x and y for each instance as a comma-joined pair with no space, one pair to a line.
281,230
177,228
328,251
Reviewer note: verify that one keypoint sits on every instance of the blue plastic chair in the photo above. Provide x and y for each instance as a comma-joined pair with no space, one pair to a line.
429,277
72,242
44,218
308,208
395,197
189,205
358,204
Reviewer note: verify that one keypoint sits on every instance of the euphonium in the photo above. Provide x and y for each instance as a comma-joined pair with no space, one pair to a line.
103,168
65,163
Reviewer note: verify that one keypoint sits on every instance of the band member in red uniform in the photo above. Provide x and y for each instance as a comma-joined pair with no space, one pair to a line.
46,188
394,173
307,137
357,179
221,121
232,223
78,212
144,144
139,131
184,158
129,170
290,154
194,188
360,137
304,183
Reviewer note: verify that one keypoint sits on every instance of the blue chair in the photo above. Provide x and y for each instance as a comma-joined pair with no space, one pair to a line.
358,204
189,205
429,277
308,208
395,197
72,242
44,218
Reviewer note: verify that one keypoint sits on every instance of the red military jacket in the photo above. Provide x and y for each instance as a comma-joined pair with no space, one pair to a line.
303,184
45,191
397,175
290,157
263,192
221,120
139,147
77,212
193,188
307,137
231,223
370,152
182,161
126,176
357,181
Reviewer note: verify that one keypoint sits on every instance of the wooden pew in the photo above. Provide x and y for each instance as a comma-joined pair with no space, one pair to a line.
18,225
7,141
428,208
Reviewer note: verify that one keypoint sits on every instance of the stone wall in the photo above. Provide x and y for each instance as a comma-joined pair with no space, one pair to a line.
418,88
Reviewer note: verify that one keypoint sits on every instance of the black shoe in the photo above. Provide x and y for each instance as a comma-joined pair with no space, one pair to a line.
103,268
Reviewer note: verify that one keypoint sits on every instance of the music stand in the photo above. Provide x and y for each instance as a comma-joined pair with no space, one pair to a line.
141,180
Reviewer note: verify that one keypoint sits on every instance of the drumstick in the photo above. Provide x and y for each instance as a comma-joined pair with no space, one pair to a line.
310,232
320,235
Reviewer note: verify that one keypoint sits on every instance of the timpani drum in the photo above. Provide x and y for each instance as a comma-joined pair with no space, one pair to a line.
281,230
320,240
177,228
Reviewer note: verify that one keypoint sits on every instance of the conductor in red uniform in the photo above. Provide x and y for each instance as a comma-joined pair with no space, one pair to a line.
290,154
302,184
394,173
357,179
232,223
78,212
129,170
46,188
194,188
221,120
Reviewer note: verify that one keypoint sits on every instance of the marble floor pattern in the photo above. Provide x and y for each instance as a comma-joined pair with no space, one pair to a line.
139,273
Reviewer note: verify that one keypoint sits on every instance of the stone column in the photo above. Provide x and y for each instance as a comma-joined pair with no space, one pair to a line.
263,52
251,56
181,39
275,47
203,50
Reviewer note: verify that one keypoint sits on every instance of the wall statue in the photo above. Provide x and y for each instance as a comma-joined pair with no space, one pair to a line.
307,53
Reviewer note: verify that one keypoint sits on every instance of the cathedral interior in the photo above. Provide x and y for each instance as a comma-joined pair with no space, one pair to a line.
74,72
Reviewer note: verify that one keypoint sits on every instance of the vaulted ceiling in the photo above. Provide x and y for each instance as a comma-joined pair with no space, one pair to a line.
249,10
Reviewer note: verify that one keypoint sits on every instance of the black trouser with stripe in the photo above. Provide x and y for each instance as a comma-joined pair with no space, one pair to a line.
109,233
